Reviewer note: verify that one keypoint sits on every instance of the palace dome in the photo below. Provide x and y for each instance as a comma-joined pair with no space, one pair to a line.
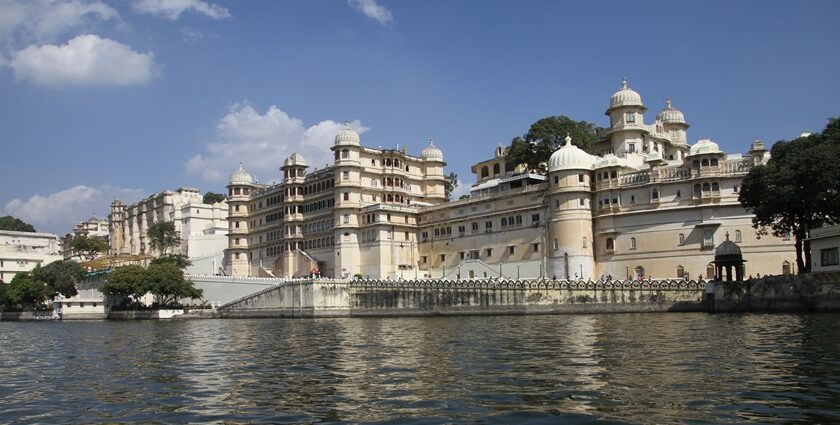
295,160
432,153
704,146
625,97
347,136
727,248
569,157
671,115
240,176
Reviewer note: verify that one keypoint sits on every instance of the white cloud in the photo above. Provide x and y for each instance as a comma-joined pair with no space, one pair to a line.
58,212
263,141
37,21
86,60
373,10
172,9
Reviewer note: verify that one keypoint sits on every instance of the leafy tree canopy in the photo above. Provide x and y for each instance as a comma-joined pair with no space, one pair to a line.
10,223
25,291
178,260
163,236
450,184
88,247
547,135
798,189
212,198
61,276
125,281
167,282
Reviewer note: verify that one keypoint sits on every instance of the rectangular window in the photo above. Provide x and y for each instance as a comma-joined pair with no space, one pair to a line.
511,250
535,247
475,227
425,259
829,257
535,218
580,178
346,196
345,175
582,203
489,252
631,148
629,117
461,230
462,253
488,225
442,258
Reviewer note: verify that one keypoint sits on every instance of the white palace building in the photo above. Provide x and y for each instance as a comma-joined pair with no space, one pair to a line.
641,202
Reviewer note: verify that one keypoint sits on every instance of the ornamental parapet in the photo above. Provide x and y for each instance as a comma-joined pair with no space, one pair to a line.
535,284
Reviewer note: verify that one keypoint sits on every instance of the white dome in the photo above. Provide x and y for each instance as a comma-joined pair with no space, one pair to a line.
432,153
240,176
625,97
347,136
671,115
570,157
704,146
610,160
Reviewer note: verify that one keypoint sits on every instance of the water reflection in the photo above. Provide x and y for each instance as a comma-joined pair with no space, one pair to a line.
636,368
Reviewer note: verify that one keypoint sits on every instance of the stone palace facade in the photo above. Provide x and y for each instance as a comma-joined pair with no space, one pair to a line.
641,202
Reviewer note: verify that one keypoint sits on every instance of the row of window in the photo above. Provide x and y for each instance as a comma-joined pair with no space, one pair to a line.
497,169
476,253
708,240
506,222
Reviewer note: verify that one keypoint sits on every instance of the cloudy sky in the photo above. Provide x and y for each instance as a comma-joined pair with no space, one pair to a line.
103,100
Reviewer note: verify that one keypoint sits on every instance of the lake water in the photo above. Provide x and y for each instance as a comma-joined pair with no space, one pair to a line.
621,368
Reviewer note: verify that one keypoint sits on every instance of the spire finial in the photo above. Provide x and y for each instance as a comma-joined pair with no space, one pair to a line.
240,164
346,124
623,83
727,235
431,142
668,103
568,140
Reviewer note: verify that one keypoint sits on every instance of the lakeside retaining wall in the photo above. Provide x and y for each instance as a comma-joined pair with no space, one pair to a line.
325,297
796,293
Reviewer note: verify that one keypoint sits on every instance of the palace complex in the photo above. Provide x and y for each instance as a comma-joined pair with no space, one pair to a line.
641,202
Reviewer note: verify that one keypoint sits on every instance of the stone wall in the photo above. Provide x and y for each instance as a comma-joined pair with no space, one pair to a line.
796,293
308,298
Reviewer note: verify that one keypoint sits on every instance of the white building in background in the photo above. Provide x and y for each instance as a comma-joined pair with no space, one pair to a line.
93,227
22,251
825,249
203,227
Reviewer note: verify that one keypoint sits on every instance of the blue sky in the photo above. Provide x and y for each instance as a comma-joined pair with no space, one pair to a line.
120,99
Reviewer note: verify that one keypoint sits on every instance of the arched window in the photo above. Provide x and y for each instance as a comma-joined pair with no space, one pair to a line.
705,162
706,187
737,236
655,194
632,243
715,187
695,164
710,271
485,171
786,268
496,168
714,162
613,174
682,239
610,244
345,153
697,189
680,271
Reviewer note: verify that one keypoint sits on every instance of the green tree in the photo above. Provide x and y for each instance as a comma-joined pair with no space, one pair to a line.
450,184
61,276
167,283
10,223
212,198
25,291
545,136
4,296
88,247
125,281
797,190
163,236
178,260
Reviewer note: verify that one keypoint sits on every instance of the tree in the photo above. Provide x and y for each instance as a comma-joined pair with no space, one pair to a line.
178,260
163,236
547,135
25,291
212,198
450,184
10,223
126,281
167,283
88,247
797,190
61,276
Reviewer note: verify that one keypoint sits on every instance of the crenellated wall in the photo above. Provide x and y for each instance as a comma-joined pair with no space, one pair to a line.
308,298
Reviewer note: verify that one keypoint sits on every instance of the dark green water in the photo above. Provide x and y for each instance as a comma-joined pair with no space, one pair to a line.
623,368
